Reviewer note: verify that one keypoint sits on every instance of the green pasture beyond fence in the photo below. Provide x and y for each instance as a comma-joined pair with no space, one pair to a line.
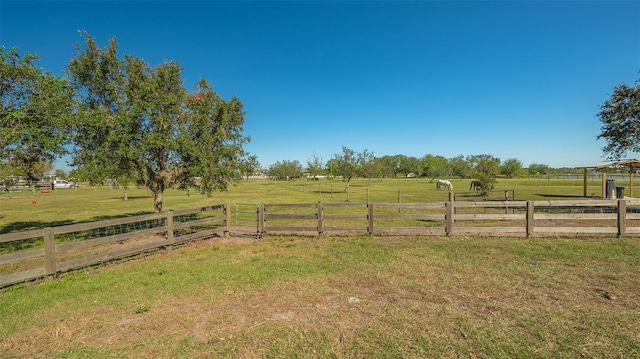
45,252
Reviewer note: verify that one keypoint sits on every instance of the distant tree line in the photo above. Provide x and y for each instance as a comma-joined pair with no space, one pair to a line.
350,164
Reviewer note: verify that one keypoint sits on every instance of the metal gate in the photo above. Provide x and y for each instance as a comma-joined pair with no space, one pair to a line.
247,219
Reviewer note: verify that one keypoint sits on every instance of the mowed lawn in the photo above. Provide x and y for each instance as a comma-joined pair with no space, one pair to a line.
323,297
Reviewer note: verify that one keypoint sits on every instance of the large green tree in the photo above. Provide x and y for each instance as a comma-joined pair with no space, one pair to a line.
511,167
620,117
139,122
435,166
35,108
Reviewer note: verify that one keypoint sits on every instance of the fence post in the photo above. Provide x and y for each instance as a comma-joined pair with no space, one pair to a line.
49,251
449,218
370,215
529,218
452,198
170,234
227,219
261,220
622,217
320,219
367,194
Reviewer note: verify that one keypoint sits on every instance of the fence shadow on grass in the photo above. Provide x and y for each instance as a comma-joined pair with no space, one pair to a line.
30,225
558,195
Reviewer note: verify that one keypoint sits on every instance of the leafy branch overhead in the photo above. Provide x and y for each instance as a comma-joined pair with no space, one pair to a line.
138,122
620,117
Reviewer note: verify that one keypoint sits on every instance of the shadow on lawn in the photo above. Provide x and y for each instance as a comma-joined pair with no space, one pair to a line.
558,195
31,225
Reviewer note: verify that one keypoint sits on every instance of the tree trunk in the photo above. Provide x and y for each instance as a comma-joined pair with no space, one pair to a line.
157,201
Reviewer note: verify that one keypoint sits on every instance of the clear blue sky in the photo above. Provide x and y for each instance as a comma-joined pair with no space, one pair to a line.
513,79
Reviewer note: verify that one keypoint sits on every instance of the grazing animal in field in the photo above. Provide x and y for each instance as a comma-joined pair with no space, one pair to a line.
445,183
476,185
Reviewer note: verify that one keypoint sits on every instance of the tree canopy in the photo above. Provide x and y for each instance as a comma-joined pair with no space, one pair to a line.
35,107
137,122
620,117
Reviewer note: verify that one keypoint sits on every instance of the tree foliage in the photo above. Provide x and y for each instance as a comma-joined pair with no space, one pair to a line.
35,108
285,170
511,167
249,165
345,164
139,122
435,166
315,166
620,117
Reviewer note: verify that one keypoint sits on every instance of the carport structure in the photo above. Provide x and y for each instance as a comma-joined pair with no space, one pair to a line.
632,164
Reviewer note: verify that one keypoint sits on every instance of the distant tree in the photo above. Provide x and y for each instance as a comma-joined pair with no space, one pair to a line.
435,166
460,167
620,117
345,165
285,170
538,169
139,122
511,167
410,164
388,166
61,174
35,109
249,165
315,166
365,165
484,163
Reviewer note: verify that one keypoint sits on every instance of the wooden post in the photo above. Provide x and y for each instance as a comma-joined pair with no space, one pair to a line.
320,219
622,217
49,251
604,183
631,173
452,198
367,194
529,218
227,219
261,220
370,218
584,184
449,218
170,235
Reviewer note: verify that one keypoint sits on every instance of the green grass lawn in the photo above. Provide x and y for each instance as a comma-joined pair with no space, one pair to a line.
361,297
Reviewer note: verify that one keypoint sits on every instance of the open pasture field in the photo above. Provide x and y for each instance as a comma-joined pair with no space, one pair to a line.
27,209
337,297
319,297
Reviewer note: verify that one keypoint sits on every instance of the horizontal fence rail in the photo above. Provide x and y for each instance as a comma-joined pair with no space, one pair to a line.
49,251
517,218
37,253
